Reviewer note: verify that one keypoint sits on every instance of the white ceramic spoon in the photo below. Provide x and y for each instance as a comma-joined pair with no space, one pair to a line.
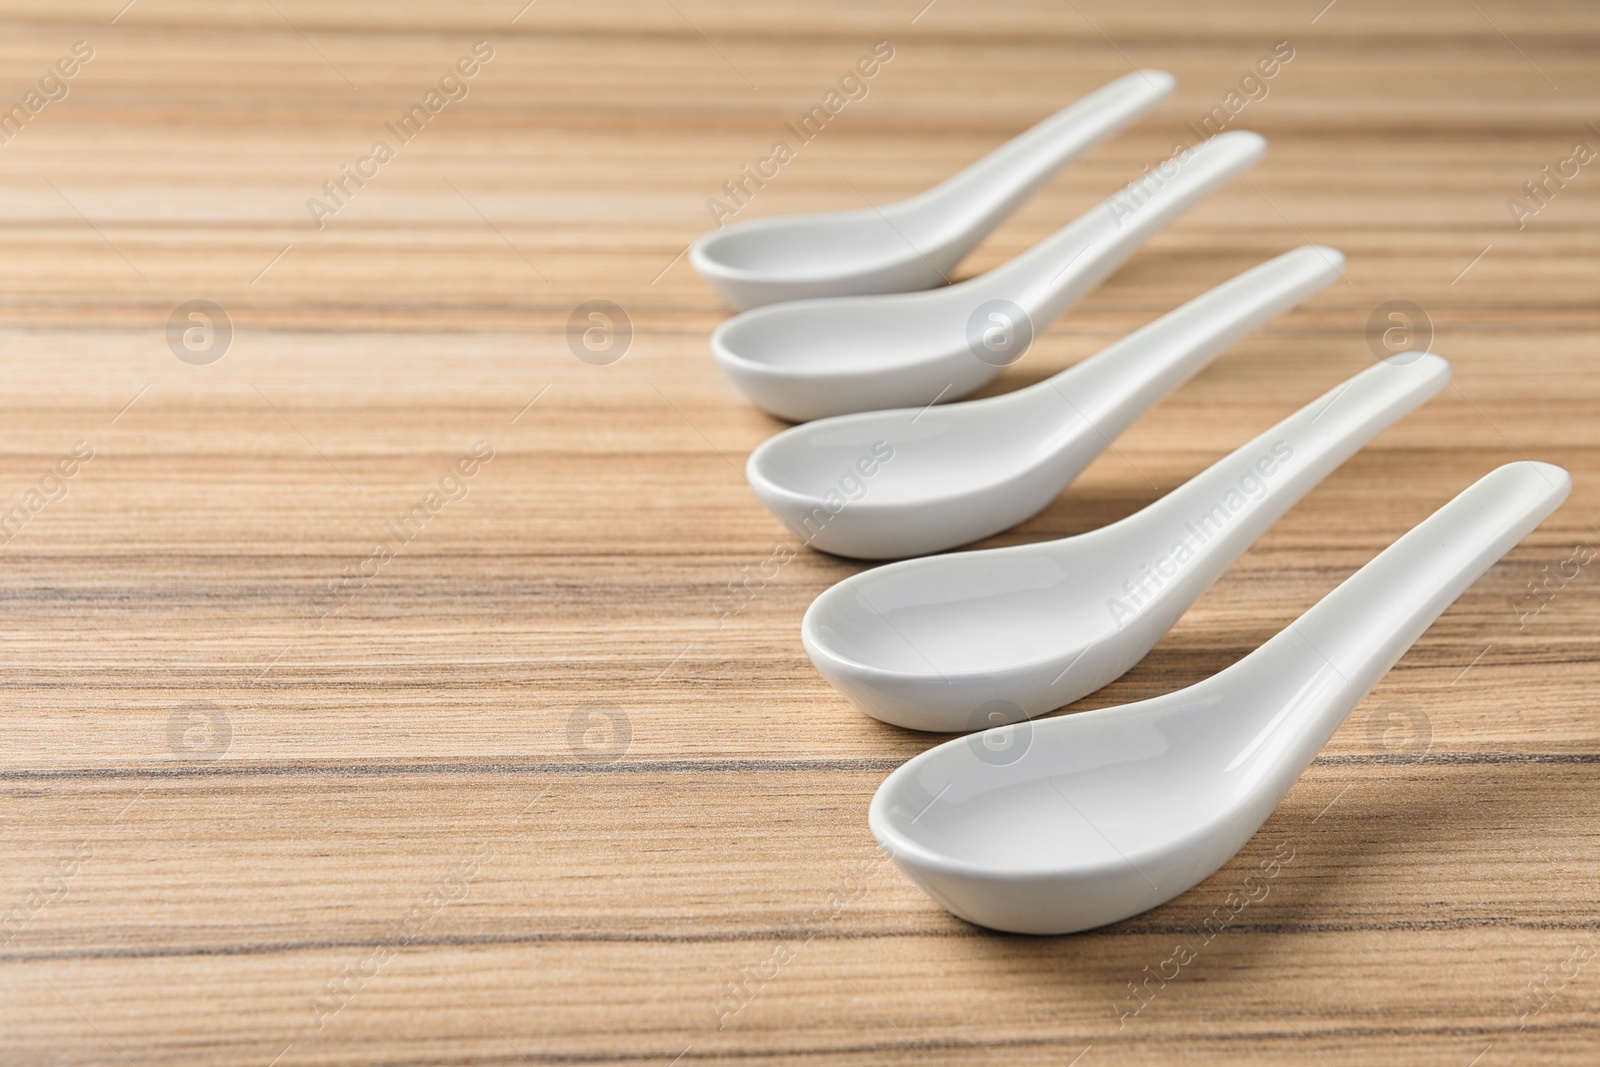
960,472
975,639
811,358
1078,821
914,243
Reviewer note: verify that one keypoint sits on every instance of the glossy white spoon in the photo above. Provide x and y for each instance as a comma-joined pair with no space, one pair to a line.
890,484
1078,821
975,639
811,358
912,244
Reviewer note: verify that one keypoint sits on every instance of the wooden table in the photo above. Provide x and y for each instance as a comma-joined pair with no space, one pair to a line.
520,785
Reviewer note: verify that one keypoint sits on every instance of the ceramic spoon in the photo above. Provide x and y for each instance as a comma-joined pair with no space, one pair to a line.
1078,821
961,472
976,639
914,243
811,358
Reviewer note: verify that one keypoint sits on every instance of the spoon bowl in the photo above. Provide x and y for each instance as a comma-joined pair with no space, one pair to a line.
971,640
807,359
913,244
1074,822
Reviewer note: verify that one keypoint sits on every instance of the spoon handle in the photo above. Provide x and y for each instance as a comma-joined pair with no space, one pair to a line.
973,202
1363,627
1118,384
1218,513
1055,273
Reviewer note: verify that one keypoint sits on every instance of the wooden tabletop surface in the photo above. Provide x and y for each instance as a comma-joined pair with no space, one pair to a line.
371,690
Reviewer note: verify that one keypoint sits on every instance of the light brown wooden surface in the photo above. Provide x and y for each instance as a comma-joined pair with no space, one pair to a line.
190,909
